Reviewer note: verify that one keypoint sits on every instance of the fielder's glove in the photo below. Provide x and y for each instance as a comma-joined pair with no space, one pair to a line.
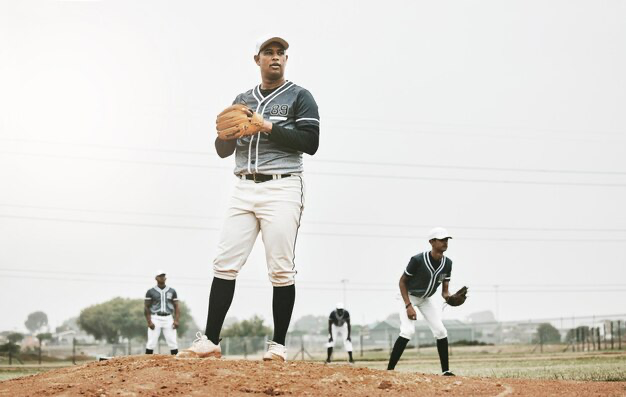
236,121
458,298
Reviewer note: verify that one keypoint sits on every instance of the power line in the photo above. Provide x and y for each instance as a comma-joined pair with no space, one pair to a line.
335,174
413,237
314,222
116,147
500,228
134,224
339,284
470,167
390,130
348,162
466,180
100,211
108,160
412,126
112,279
322,234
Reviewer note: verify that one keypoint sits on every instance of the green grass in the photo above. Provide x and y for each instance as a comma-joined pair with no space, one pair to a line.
498,362
563,366
30,368
6,374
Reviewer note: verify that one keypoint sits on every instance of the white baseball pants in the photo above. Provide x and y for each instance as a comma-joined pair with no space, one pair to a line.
343,332
162,323
431,313
273,208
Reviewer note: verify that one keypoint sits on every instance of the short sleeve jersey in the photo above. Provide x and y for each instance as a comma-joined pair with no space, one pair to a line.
289,106
161,300
338,320
425,274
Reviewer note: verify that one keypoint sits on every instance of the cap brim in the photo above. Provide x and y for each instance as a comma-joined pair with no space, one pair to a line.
278,40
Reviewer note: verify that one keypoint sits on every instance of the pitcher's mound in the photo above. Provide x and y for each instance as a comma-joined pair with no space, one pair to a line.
166,376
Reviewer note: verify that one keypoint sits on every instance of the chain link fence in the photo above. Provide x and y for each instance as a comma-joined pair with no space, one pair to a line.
582,334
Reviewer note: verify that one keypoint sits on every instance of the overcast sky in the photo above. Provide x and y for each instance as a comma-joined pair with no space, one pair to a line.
503,121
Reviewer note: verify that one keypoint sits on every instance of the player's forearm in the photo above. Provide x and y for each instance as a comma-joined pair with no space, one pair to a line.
304,139
147,314
225,148
404,291
444,290
330,328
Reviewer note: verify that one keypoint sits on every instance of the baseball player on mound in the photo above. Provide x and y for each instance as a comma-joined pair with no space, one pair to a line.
339,325
418,284
160,304
268,128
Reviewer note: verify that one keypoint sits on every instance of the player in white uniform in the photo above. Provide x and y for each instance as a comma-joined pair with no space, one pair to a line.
339,326
268,197
162,314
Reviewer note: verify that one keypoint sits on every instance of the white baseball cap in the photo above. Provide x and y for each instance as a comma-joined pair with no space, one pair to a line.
263,41
339,305
438,233
160,272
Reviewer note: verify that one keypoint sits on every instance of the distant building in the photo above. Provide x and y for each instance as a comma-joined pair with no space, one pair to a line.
381,333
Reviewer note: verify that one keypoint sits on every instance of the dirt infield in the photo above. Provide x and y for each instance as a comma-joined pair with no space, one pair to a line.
166,376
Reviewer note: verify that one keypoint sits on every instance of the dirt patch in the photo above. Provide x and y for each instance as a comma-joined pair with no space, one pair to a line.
166,376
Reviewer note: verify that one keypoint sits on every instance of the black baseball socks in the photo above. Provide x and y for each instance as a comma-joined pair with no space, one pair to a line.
173,351
222,292
396,353
282,307
400,345
442,349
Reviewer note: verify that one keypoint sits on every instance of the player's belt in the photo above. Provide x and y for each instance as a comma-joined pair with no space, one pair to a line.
162,314
258,178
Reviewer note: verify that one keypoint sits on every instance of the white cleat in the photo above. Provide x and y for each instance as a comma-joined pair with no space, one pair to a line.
202,347
275,352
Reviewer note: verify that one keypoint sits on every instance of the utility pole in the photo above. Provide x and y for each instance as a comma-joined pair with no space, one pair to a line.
344,282
495,287
497,303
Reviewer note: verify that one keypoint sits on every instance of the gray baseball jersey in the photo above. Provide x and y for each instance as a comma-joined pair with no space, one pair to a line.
425,274
161,300
289,106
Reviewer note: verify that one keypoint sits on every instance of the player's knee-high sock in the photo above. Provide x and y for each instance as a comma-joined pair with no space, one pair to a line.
396,353
222,292
442,349
282,307
330,353
350,355
149,351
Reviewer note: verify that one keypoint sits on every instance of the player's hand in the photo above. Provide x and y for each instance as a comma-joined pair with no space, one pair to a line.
175,325
410,311
349,339
330,338
151,325
267,126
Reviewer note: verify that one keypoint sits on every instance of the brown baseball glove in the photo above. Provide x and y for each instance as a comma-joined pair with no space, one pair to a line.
458,298
236,121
